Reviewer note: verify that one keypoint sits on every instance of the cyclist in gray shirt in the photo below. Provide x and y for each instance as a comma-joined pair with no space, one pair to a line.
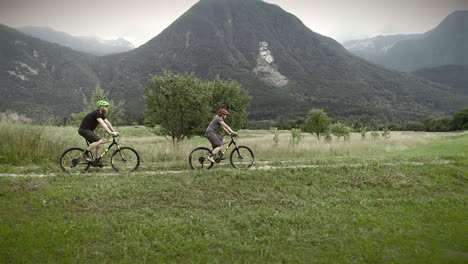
212,135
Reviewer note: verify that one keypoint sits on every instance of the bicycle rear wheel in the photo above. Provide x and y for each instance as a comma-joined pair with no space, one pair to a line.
125,160
198,159
72,162
242,157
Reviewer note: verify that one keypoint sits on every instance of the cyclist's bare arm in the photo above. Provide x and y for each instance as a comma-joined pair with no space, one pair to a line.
104,125
108,123
227,128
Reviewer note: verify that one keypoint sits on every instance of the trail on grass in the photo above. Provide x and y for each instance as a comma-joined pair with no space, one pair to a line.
263,165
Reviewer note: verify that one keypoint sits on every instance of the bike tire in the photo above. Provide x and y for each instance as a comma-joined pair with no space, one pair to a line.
72,162
242,157
198,159
128,160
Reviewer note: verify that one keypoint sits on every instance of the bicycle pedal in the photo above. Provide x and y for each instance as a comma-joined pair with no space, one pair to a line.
97,164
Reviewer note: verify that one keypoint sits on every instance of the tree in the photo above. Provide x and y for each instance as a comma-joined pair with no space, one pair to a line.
183,105
438,123
460,120
340,130
296,136
178,104
116,111
317,122
231,96
414,126
363,131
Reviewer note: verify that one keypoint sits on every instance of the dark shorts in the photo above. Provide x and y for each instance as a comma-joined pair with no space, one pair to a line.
215,139
89,135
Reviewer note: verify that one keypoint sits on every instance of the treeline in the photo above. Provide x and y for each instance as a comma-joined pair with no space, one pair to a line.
181,105
457,121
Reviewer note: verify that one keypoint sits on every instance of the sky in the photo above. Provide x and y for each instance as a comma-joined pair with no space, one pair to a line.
140,20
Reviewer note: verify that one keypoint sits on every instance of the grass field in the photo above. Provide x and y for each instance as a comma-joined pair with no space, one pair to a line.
397,200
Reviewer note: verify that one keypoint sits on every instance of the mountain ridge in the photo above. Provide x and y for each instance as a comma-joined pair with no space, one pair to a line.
87,44
225,38
287,68
42,79
455,76
446,44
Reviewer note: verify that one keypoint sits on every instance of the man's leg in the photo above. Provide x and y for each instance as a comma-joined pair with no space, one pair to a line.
91,137
99,148
218,144
93,145
217,150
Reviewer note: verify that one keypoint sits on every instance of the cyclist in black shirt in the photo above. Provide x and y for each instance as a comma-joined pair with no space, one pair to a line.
89,124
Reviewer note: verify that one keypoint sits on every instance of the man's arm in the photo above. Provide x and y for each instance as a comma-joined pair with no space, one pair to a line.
227,128
104,125
108,123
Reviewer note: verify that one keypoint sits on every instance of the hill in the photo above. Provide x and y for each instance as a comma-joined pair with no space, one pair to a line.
376,48
447,44
287,68
455,76
41,79
92,45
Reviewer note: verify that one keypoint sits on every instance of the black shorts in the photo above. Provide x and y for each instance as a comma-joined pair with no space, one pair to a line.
215,139
89,135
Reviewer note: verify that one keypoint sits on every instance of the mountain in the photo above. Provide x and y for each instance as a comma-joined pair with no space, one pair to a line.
41,79
374,49
92,45
455,76
287,68
447,44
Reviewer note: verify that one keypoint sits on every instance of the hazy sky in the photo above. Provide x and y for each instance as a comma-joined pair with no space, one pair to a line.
140,20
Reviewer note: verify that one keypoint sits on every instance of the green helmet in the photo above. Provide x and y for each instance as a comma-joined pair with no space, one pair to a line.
102,103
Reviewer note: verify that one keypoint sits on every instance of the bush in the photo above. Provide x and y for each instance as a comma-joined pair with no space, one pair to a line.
460,120
340,130
438,123
413,126
363,131
296,135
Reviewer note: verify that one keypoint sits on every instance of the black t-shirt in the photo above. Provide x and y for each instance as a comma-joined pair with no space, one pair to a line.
90,121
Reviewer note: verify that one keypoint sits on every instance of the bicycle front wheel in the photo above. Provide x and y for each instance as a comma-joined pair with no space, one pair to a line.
72,162
198,159
125,160
242,158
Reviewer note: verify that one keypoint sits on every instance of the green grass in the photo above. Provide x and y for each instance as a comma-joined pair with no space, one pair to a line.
414,214
401,200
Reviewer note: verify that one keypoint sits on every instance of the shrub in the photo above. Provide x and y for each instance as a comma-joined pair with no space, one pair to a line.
340,130
296,135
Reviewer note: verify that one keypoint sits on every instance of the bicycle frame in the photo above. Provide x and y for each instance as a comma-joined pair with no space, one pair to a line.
114,142
232,142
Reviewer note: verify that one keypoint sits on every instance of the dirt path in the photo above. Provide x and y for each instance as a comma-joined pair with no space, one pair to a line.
257,166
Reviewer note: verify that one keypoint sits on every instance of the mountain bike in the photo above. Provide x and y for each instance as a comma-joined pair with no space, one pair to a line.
124,159
241,157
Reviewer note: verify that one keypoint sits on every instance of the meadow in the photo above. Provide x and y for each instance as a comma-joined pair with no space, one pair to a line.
395,200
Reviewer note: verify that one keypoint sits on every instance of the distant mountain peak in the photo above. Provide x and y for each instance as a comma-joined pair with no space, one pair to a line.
287,68
445,44
88,44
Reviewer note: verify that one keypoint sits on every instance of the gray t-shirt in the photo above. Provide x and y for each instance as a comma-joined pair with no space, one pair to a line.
215,124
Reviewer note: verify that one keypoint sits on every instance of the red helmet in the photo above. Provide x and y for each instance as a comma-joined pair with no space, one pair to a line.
223,111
